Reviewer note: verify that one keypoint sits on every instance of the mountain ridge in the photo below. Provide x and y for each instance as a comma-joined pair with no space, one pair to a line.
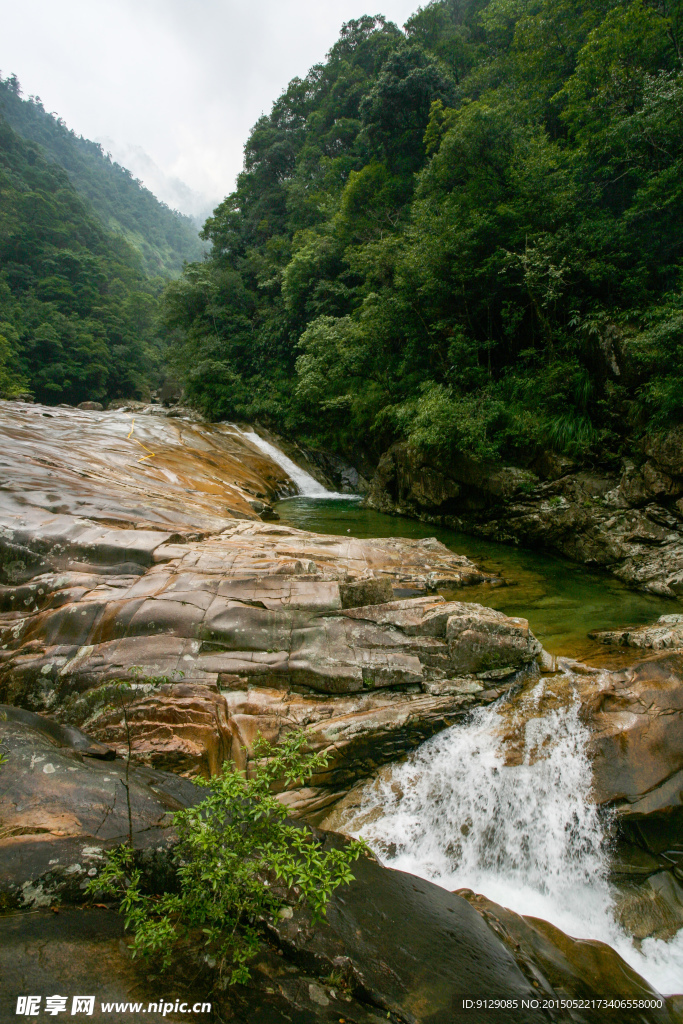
165,238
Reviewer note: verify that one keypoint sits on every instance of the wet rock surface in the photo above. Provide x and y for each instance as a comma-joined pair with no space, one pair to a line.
64,803
193,476
630,523
635,718
240,628
79,952
574,968
392,948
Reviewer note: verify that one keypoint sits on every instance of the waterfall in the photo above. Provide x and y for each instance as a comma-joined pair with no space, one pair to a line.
527,835
308,486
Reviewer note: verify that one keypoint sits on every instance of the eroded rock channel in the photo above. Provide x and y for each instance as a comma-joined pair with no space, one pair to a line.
163,573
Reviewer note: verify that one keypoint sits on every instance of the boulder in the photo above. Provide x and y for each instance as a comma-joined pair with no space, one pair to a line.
64,803
573,968
91,406
667,632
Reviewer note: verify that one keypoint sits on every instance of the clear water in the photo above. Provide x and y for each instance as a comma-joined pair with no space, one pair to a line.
527,835
563,601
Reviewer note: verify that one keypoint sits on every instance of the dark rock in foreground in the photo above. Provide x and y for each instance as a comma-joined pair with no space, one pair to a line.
393,947
63,804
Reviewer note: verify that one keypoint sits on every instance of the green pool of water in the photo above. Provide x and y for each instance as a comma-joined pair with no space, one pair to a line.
561,600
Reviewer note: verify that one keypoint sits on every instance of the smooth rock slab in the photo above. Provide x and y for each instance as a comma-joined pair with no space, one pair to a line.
61,809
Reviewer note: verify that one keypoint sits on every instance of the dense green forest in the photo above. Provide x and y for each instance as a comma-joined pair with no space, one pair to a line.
468,233
77,312
165,239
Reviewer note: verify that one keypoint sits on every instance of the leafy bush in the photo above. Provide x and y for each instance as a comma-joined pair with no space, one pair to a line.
235,849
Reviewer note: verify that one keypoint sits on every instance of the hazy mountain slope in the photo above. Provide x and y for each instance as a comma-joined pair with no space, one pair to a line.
165,239
77,312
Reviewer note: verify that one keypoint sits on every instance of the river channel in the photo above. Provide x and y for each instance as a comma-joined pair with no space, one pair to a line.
563,601
528,835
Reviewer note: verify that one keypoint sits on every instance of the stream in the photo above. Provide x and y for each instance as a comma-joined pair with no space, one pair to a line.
527,835
562,600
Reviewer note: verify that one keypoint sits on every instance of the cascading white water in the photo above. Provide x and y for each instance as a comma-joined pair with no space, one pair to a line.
525,835
308,485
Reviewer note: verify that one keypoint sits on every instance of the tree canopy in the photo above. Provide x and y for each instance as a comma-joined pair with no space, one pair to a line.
77,312
467,233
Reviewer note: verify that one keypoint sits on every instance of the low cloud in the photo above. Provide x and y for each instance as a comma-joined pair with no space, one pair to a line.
173,86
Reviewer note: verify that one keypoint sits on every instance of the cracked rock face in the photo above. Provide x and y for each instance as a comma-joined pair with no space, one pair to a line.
208,624
224,626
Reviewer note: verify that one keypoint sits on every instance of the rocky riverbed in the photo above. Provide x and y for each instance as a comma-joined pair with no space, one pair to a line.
628,521
162,573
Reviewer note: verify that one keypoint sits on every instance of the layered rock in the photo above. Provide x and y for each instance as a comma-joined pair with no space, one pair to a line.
254,608
630,523
393,946
667,632
238,628
124,469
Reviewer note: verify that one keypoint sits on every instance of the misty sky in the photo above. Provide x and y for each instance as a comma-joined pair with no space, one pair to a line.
172,87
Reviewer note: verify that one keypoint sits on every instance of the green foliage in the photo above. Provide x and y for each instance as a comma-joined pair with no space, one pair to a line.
11,381
163,238
468,235
77,314
238,860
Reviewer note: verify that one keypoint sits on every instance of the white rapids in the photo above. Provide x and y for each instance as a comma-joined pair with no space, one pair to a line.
525,835
308,485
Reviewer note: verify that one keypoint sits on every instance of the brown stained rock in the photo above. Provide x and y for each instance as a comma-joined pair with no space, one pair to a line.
637,724
635,718
192,729
181,728
89,602
218,606
359,733
60,808
396,944
214,610
201,476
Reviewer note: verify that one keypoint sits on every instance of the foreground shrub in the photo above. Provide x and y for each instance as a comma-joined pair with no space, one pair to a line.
236,858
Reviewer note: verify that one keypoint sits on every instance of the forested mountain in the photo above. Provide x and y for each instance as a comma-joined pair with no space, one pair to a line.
468,234
165,239
77,312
